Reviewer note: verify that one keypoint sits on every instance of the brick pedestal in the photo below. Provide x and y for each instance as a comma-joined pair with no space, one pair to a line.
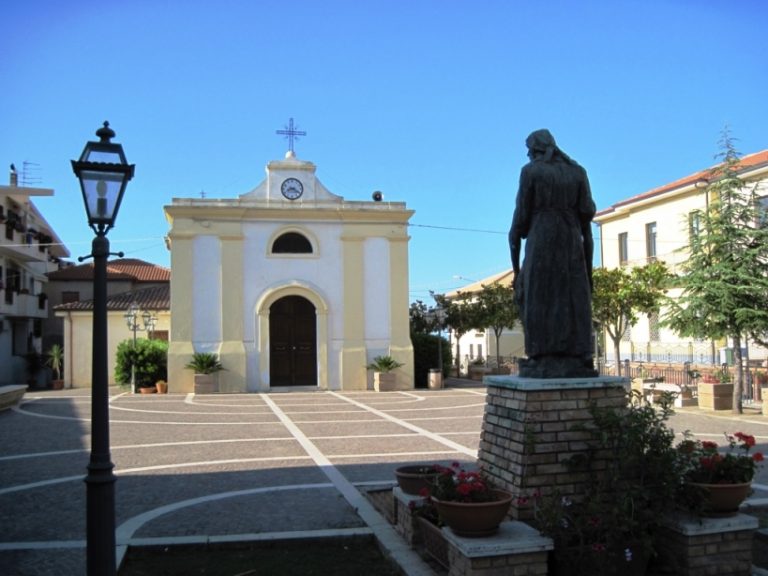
692,546
528,433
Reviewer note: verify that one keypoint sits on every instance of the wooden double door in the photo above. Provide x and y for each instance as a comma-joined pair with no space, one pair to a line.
292,342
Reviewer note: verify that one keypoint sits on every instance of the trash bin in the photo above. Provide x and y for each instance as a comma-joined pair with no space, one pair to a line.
435,379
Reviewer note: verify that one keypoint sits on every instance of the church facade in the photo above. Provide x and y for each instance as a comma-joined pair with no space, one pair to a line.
290,284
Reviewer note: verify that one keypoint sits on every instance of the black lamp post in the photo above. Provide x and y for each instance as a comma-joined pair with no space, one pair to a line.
103,173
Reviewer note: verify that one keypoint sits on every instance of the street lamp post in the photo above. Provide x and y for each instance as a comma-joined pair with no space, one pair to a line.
132,320
103,173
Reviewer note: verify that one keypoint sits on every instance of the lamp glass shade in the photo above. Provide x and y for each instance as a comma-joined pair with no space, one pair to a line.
102,192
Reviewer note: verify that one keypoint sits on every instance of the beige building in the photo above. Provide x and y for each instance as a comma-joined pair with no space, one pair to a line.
479,346
129,282
656,225
290,284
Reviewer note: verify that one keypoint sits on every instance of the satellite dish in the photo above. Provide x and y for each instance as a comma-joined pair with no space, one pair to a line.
377,196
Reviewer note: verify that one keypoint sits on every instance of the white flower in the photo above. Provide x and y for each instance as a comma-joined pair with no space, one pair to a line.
628,555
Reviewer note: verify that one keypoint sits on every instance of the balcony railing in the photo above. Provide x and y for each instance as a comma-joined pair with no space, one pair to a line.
25,246
23,305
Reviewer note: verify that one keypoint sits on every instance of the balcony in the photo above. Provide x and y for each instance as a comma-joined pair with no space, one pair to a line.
27,246
23,305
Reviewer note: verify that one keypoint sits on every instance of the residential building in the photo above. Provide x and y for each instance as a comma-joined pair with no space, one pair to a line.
290,284
70,290
29,248
657,225
479,345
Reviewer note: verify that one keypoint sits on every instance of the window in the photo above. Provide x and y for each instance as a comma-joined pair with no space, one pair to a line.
623,248
762,212
627,336
479,350
292,243
650,241
67,297
694,226
471,350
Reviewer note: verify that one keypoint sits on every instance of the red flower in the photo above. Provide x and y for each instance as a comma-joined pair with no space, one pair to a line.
708,445
758,457
464,489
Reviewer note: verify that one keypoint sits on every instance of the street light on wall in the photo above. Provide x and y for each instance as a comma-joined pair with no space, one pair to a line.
103,173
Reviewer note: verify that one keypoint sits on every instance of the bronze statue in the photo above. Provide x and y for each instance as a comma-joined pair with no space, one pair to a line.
553,288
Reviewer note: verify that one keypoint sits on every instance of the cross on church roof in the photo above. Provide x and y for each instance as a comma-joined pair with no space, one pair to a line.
291,134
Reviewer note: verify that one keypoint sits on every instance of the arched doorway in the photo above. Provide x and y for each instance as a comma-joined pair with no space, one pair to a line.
292,342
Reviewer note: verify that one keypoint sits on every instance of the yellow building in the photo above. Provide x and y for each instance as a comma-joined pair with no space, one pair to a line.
289,284
657,225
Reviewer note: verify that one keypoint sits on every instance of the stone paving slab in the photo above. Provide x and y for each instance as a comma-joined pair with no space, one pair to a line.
234,466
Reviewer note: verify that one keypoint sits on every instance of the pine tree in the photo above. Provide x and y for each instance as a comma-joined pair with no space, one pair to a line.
724,281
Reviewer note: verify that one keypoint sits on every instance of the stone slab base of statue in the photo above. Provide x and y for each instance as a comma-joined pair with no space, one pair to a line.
557,367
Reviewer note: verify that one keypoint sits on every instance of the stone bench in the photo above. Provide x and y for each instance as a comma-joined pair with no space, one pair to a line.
652,389
11,395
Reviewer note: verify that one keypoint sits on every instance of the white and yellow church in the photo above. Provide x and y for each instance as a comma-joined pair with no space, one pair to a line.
290,284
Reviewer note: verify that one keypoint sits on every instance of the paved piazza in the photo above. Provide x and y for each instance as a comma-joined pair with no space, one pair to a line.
238,467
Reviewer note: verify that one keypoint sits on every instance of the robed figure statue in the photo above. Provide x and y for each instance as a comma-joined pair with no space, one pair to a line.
553,287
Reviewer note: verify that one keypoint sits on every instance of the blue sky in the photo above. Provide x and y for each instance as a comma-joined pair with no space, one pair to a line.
428,101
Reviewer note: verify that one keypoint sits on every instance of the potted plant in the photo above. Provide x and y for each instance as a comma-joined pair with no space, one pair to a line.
414,478
634,477
206,366
466,501
36,376
55,360
161,386
716,482
383,379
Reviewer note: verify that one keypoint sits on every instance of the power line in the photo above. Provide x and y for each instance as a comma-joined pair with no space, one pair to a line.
454,229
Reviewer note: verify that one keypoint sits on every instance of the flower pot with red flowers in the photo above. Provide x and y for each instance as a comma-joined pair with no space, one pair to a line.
717,482
467,503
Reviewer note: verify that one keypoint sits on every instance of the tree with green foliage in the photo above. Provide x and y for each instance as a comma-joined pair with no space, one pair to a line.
150,358
496,309
429,349
461,315
422,318
724,281
620,294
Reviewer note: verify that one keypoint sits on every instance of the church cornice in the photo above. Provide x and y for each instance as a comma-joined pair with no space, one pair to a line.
358,212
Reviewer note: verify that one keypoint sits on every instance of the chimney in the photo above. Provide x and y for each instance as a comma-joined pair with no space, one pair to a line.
14,176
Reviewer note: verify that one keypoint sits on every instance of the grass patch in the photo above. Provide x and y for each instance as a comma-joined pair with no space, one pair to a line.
340,557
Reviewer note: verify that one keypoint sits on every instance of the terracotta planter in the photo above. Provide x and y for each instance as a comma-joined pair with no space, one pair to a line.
57,384
721,500
147,390
413,479
474,519
162,387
